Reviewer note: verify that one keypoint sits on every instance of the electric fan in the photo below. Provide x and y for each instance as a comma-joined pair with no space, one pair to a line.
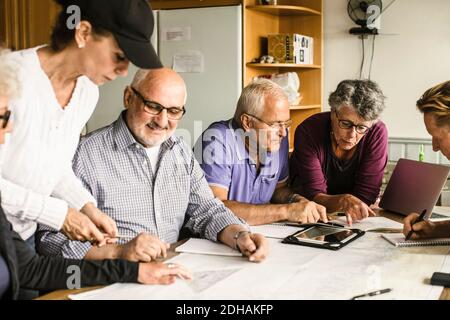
361,11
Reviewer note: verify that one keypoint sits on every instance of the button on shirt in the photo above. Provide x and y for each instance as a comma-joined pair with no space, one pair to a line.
227,164
117,170
4,276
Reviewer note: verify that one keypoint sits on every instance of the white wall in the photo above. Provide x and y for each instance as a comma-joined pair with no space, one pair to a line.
405,65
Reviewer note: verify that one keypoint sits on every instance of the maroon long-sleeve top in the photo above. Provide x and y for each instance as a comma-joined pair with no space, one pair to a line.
314,169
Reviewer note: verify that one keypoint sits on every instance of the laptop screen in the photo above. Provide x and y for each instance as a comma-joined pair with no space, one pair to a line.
414,186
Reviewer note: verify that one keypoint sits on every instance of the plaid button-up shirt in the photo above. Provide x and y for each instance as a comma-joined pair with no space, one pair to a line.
116,170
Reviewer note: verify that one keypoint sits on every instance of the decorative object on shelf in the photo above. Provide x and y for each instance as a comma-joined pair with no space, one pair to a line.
290,82
291,48
268,2
265,59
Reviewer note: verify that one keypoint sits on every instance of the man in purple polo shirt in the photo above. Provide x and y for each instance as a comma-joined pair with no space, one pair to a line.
339,156
245,159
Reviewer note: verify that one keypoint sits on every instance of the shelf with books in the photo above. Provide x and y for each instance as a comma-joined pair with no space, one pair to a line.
301,17
282,65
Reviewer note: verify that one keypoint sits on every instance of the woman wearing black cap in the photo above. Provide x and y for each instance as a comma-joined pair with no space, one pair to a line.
59,94
20,267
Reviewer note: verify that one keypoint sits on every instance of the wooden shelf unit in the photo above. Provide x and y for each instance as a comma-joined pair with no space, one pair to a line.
306,107
289,16
282,65
283,10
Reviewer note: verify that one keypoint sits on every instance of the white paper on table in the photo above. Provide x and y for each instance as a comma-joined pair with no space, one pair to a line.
189,61
371,223
203,246
176,34
304,273
276,231
356,271
443,211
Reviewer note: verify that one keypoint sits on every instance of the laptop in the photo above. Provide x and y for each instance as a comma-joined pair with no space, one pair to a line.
413,187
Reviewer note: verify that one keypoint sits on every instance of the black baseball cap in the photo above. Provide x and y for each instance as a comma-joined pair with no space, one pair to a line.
130,21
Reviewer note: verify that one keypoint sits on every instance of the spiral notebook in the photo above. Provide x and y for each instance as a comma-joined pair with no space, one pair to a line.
398,240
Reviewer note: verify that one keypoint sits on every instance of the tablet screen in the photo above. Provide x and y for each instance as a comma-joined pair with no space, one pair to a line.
324,234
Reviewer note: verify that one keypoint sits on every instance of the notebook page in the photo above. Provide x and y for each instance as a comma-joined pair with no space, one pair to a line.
371,223
203,246
276,231
398,240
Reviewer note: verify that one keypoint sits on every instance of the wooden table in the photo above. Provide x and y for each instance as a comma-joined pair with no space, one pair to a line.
64,294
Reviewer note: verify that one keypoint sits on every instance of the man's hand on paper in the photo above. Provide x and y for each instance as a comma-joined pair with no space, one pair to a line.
305,211
254,246
354,208
162,273
143,248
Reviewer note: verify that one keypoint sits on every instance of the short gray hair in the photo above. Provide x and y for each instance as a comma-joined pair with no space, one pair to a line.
364,96
253,97
139,77
9,75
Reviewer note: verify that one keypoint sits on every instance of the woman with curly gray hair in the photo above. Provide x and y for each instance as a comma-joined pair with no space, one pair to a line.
340,156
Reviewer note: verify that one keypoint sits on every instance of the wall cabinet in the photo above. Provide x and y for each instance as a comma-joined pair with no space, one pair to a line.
26,23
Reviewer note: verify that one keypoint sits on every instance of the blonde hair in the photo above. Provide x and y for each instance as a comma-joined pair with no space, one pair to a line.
9,78
437,102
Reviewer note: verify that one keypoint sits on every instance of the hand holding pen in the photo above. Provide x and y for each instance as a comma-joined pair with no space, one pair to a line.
409,223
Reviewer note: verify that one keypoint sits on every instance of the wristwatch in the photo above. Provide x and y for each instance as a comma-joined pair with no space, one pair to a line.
293,198
237,236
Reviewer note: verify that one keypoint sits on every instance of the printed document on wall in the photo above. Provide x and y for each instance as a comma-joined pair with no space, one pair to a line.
189,61
176,34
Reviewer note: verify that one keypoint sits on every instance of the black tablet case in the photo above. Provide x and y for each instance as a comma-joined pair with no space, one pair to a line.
330,246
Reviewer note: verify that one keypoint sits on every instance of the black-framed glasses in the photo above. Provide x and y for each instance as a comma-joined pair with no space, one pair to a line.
6,116
347,124
155,108
277,125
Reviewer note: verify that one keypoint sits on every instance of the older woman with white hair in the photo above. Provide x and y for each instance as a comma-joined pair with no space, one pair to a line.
21,267
340,156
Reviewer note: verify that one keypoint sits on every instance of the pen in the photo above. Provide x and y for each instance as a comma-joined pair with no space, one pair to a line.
124,237
334,224
371,294
337,214
120,237
300,225
422,215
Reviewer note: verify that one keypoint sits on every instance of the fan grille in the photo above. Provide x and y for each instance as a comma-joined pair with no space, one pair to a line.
357,10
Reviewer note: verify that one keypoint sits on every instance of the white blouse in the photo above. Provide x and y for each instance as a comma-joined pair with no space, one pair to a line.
37,181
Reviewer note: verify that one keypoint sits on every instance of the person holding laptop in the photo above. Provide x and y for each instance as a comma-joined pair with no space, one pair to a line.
435,106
